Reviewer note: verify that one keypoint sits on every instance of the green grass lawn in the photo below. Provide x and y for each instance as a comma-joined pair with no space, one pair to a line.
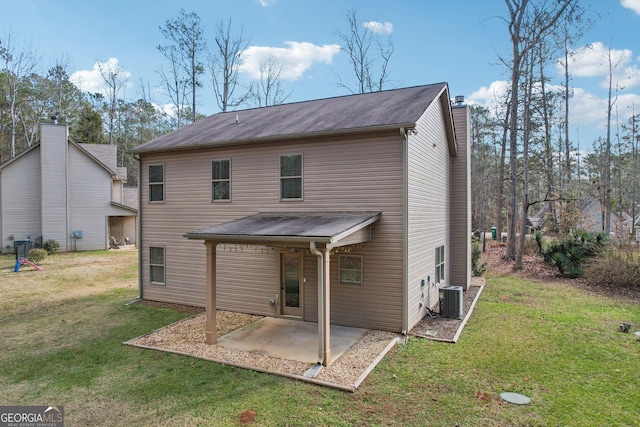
62,331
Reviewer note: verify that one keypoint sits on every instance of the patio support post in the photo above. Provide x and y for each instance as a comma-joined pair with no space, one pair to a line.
326,306
211,330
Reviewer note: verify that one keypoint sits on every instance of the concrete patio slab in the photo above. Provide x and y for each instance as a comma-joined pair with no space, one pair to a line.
289,339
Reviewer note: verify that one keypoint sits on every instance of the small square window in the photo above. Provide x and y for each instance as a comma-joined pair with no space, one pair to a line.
156,183
156,265
350,269
221,180
291,177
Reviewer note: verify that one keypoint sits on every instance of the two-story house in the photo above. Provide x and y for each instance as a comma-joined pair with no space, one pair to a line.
70,192
352,210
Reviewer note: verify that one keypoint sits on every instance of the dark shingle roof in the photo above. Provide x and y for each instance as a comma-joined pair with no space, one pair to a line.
353,113
327,227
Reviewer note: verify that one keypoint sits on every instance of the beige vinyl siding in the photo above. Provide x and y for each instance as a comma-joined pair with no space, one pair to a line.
53,173
347,174
89,200
20,200
428,210
461,201
117,192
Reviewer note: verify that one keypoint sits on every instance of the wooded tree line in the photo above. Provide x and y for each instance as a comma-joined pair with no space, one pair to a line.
194,66
523,157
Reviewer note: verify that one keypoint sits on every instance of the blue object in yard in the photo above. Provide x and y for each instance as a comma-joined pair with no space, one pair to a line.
17,267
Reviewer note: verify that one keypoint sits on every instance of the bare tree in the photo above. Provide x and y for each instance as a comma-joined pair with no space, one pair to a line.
611,100
115,80
176,85
267,89
366,51
18,62
186,44
529,21
224,65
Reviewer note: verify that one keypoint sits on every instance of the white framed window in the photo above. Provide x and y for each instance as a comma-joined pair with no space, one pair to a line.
221,180
350,269
439,264
156,265
291,177
156,183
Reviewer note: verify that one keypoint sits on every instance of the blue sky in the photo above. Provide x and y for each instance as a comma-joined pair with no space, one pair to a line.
454,41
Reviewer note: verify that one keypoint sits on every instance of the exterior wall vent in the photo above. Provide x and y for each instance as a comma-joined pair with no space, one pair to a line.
451,305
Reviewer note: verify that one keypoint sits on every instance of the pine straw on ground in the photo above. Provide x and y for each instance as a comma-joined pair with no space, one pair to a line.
534,268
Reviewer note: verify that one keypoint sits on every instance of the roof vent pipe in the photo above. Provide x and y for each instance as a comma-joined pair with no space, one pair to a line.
237,118
459,100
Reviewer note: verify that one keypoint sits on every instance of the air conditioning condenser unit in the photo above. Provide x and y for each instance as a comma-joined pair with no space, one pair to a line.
451,304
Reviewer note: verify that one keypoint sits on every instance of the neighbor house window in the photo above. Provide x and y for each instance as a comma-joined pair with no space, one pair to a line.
221,180
439,264
156,183
291,177
350,269
156,265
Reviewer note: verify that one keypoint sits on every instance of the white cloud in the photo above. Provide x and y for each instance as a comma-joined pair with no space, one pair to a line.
631,4
295,59
92,80
593,60
496,91
385,28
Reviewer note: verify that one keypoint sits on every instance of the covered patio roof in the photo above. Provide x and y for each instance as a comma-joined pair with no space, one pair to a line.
319,231
331,228
288,227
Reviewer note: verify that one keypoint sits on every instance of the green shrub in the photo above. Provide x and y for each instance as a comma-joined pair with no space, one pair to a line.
478,268
619,267
51,246
570,254
36,255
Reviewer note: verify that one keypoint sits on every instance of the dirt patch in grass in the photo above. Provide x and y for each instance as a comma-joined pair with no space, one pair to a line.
177,307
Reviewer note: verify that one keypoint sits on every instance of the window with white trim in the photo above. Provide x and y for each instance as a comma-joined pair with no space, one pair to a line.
291,177
439,264
221,180
156,183
156,265
350,269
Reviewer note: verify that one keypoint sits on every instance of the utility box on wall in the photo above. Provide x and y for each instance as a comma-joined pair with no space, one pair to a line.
451,304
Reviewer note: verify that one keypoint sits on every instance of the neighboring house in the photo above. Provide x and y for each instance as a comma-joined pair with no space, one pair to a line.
352,210
69,192
536,221
592,216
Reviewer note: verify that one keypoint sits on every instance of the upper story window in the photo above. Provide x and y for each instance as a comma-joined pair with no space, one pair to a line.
291,177
156,183
439,264
220,180
350,269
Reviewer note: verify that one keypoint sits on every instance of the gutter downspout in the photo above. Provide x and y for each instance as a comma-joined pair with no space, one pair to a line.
321,331
139,227
66,189
405,230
